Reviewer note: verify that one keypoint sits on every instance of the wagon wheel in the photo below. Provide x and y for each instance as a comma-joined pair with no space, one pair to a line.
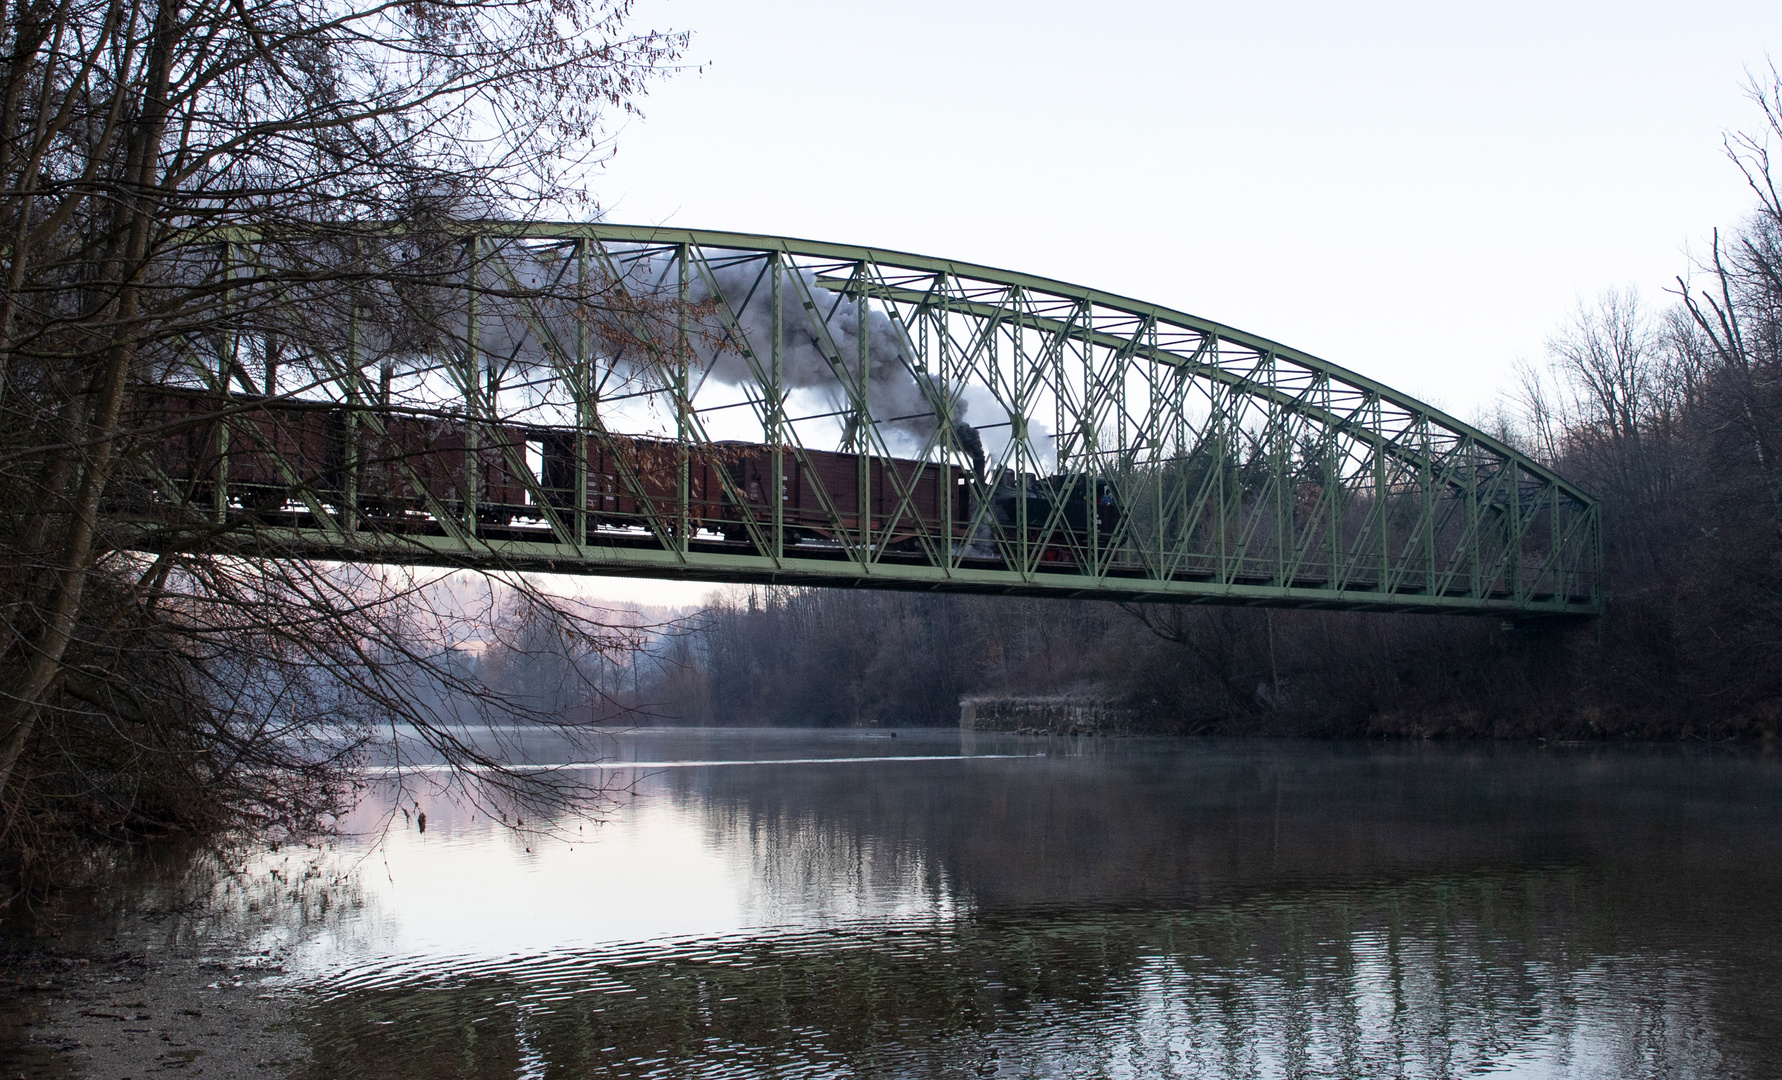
789,537
261,499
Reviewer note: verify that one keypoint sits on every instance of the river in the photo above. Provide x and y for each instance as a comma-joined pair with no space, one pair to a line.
942,904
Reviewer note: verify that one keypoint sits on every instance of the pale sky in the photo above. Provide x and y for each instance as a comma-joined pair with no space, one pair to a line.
1419,192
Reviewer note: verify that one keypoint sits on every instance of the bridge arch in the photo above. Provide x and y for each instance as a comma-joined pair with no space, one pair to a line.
627,400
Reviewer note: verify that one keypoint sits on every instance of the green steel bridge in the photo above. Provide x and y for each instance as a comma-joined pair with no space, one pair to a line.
626,400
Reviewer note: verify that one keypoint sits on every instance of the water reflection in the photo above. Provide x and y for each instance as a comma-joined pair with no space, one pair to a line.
1432,979
1108,908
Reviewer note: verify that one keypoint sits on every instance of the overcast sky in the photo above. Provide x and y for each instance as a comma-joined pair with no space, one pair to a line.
1419,192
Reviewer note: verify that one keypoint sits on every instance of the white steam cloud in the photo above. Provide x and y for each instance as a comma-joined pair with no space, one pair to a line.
818,343
529,313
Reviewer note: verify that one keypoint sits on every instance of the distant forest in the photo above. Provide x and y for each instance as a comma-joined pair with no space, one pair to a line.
1670,412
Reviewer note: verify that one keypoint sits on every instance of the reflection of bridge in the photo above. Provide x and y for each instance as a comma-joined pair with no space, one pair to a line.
926,424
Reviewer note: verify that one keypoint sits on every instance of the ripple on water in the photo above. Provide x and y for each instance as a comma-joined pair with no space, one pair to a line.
1414,979
1116,908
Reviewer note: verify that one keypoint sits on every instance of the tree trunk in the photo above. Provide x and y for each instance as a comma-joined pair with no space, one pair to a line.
44,663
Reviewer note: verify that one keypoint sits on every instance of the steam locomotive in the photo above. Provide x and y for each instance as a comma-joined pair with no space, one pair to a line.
405,471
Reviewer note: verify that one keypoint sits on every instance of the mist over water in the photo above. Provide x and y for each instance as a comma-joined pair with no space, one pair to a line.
812,903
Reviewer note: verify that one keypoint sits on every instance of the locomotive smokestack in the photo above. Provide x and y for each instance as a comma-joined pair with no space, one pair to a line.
969,441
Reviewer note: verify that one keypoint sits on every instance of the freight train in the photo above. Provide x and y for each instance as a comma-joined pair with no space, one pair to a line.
406,470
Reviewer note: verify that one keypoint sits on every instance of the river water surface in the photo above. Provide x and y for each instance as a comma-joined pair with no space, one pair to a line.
942,904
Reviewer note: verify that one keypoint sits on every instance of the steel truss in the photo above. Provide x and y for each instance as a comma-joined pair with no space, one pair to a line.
1133,452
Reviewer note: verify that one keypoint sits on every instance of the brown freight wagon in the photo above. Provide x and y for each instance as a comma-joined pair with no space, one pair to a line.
267,452
635,481
820,489
174,449
419,462
188,442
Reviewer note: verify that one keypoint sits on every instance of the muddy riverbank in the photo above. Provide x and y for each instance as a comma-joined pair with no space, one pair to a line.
162,961
127,1015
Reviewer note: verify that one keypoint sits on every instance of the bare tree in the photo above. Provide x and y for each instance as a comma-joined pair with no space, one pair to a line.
1606,409
1737,316
142,143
